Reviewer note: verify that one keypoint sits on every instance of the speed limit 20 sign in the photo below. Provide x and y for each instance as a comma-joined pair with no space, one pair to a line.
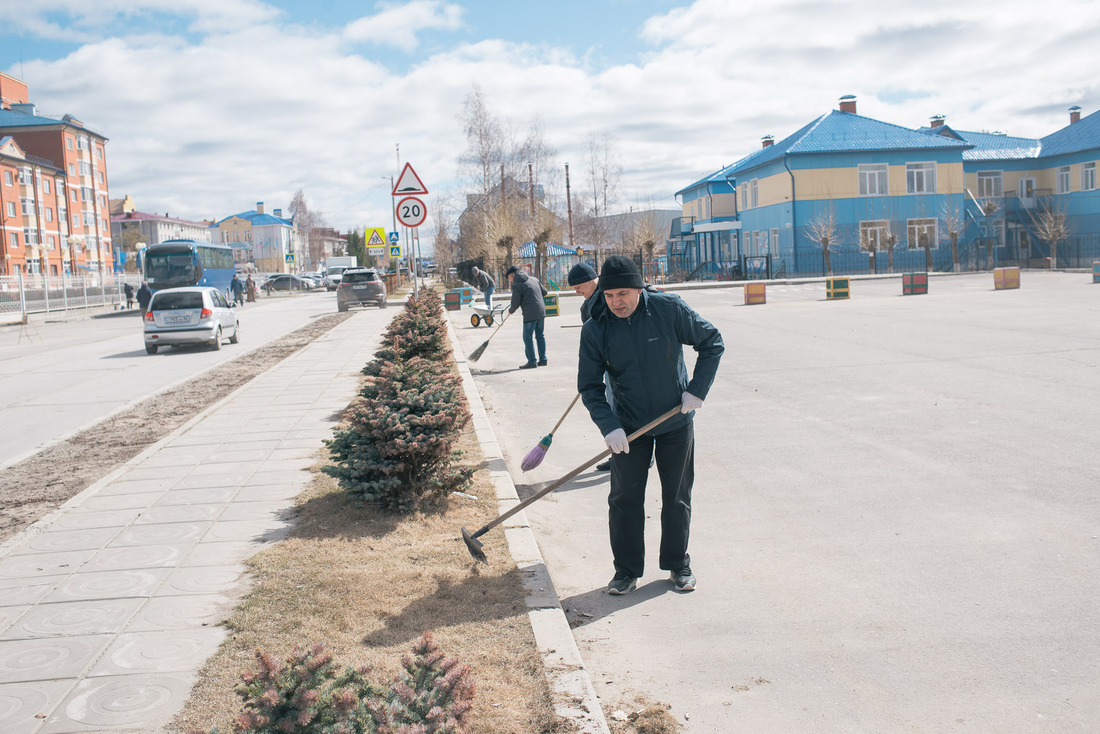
411,211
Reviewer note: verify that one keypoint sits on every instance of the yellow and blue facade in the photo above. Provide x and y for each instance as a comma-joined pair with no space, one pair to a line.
891,199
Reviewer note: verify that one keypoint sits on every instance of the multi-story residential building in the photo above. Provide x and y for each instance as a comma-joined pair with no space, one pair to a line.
132,230
888,198
265,242
62,174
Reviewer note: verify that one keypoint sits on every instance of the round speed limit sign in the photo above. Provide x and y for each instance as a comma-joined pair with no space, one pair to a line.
411,211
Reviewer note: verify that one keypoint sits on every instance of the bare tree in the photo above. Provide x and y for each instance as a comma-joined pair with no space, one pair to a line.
1051,225
484,140
308,222
953,221
822,229
604,171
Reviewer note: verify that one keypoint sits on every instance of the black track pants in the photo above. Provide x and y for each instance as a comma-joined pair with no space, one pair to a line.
675,458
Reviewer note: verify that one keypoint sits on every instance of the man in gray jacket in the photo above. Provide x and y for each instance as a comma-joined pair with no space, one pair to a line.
636,337
484,283
527,294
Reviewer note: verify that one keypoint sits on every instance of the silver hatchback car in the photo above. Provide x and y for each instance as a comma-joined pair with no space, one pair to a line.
191,315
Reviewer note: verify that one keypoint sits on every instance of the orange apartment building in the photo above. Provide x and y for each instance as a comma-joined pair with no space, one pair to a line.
54,215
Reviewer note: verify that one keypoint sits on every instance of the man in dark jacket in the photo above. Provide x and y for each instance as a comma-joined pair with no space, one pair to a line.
582,279
636,337
484,283
527,294
144,295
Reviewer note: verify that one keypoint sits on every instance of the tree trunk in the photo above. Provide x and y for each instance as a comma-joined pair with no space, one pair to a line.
1053,254
828,262
927,257
955,253
890,259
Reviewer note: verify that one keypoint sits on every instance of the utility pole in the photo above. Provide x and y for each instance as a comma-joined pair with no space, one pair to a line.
569,208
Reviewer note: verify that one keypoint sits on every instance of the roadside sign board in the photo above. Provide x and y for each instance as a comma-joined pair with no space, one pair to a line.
395,237
375,236
376,251
290,257
408,183
411,211
395,250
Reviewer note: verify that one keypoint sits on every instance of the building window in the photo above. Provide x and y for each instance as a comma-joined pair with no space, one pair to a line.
13,238
744,196
990,184
49,214
50,242
11,208
920,178
82,143
754,193
68,142
775,242
872,235
1088,176
76,221
45,186
874,179
72,169
9,180
1063,180
921,232
76,196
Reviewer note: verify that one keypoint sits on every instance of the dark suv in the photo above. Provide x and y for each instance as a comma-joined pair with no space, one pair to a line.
360,286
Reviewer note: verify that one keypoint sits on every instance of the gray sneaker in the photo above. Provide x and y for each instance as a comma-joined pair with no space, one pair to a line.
683,579
622,585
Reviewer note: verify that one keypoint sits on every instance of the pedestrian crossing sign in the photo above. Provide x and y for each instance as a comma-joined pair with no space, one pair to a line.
395,250
376,237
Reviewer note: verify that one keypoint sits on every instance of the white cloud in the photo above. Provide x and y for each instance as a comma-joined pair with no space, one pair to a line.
207,126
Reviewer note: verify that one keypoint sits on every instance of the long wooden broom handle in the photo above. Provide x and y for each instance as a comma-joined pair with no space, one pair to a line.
547,490
562,419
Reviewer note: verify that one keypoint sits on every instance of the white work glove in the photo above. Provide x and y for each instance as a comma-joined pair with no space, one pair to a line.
616,441
689,403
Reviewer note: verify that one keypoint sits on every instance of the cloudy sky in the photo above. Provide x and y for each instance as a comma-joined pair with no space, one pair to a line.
213,105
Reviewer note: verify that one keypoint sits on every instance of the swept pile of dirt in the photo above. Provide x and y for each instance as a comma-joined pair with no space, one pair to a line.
43,482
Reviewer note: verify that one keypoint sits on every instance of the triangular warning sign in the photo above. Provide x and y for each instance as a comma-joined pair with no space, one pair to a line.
408,183
375,239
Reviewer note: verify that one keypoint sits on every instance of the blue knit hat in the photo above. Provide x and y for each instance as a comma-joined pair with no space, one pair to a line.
581,273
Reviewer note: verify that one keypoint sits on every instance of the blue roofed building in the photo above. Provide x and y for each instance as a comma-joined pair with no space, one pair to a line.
887,198
265,242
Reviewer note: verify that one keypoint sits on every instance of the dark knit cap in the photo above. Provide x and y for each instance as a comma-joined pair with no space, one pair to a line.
581,273
511,269
620,272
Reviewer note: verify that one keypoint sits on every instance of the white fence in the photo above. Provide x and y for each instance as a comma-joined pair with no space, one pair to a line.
26,294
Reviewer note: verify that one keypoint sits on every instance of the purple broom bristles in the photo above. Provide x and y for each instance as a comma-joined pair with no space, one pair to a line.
536,455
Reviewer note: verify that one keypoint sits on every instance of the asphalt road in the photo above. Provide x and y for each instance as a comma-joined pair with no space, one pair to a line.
896,516
65,372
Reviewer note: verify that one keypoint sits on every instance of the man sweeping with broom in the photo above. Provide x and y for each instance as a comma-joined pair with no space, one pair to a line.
637,336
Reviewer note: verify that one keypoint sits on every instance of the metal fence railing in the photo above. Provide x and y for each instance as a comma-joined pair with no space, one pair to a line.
29,293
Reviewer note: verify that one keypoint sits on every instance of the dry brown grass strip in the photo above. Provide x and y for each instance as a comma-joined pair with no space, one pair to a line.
367,584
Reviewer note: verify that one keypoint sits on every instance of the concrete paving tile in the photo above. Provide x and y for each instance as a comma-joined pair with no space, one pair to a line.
8,616
25,706
204,580
80,519
213,554
277,510
180,513
65,540
175,651
125,703
252,530
295,477
103,501
138,556
264,493
231,454
139,582
218,476
145,473
126,485
212,495
50,658
310,452
175,532
181,612
102,616
43,564
20,590
302,463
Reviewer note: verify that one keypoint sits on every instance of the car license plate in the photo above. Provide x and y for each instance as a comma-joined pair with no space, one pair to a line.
177,319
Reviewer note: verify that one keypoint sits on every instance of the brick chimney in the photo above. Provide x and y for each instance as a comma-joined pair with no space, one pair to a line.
259,207
279,213
848,103
937,120
767,141
1074,114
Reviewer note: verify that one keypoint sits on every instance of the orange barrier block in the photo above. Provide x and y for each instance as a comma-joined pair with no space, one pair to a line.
452,301
1006,278
913,284
1096,272
754,293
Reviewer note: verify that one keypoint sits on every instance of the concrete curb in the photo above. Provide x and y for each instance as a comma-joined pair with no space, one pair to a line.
574,696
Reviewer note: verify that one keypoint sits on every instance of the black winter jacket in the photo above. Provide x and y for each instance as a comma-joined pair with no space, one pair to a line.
643,356
527,294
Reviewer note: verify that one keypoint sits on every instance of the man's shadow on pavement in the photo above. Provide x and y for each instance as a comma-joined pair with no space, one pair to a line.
592,606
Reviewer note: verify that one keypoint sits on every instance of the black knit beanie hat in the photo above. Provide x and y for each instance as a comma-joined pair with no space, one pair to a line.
620,272
581,273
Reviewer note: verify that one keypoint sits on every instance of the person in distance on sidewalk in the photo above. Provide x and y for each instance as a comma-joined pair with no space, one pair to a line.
527,294
636,336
